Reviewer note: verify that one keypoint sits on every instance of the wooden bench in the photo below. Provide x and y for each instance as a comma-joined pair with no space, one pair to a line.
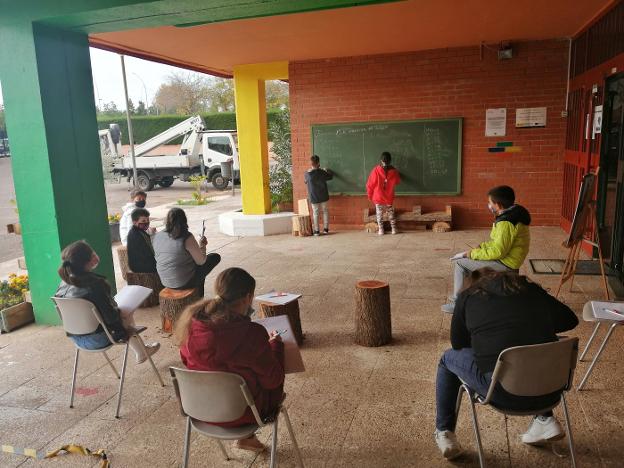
172,303
438,221
149,280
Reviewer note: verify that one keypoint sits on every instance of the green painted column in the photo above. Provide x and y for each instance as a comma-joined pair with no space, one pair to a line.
57,171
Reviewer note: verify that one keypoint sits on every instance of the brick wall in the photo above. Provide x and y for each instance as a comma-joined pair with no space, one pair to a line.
445,83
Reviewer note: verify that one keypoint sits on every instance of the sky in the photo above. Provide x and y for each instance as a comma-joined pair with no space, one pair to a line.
143,77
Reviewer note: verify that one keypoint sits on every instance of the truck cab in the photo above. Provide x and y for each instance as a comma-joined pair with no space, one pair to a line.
218,147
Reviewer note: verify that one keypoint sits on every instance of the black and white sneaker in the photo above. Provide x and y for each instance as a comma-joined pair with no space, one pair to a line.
316,233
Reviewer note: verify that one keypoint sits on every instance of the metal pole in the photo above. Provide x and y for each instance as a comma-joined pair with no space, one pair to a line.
130,135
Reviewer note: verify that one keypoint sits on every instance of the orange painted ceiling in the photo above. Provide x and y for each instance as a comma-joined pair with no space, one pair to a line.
384,28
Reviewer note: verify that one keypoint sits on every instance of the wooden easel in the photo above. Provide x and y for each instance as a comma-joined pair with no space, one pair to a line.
585,214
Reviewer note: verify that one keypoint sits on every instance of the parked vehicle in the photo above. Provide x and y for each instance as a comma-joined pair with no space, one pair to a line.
4,148
202,152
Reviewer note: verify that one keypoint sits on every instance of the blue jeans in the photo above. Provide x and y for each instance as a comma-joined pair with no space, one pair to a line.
97,340
456,364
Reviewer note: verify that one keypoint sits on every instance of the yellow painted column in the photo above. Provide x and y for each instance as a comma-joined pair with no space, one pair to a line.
251,123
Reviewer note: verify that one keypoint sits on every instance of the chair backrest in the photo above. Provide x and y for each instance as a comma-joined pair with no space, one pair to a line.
79,316
536,370
212,396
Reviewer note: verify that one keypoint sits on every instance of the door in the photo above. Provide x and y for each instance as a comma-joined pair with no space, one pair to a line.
611,179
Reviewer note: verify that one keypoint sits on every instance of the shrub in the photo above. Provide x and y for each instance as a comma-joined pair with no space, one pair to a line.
12,291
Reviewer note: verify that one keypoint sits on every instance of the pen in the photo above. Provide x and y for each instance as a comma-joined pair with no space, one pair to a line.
278,295
613,311
203,227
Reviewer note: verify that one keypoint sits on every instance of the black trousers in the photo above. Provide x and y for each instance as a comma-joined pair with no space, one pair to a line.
201,271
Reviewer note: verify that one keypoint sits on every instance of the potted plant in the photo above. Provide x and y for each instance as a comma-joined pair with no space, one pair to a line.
14,310
113,225
280,174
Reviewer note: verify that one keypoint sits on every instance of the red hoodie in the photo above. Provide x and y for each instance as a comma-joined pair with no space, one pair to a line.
241,347
380,185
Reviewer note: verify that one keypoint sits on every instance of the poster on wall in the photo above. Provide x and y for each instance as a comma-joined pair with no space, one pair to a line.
531,117
596,128
495,122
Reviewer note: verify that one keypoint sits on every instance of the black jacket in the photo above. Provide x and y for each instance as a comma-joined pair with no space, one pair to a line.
491,322
515,214
140,251
94,288
316,180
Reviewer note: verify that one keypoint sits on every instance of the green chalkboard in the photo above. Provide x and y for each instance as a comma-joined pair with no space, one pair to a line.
427,154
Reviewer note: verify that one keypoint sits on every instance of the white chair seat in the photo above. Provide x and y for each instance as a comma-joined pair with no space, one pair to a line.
225,433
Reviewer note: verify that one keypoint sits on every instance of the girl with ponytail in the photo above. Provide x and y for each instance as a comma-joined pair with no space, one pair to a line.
79,281
218,335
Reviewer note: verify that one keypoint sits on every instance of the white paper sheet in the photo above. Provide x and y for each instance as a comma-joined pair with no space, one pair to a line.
293,362
278,298
602,310
457,256
131,297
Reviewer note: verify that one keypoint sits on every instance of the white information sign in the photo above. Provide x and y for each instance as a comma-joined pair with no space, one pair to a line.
495,122
597,121
531,117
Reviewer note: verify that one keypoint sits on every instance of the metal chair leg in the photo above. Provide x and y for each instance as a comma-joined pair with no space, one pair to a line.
591,339
111,364
73,384
600,350
460,394
475,425
274,444
569,429
187,443
292,437
149,358
223,451
123,377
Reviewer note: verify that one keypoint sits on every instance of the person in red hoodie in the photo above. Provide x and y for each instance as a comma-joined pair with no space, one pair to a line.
218,335
380,190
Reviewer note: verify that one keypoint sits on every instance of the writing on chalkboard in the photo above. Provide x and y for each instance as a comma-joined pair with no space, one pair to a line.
370,128
434,152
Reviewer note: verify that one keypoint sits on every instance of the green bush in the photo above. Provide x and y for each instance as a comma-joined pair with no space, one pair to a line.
148,126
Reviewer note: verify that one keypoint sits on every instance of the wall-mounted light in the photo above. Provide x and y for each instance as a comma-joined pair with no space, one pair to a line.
505,51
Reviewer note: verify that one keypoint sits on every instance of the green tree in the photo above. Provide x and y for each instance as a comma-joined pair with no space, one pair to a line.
276,94
221,95
110,108
131,109
280,174
141,109
182,93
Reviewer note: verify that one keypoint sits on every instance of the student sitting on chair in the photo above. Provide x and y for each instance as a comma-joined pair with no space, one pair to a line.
181,262
218,335
140,250
498,310
508,245
138,199
79,281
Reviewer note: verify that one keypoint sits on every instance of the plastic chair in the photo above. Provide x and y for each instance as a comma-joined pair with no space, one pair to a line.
588,316
80,317
222,397
531,371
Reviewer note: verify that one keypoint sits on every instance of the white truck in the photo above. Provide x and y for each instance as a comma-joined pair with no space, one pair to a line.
202,152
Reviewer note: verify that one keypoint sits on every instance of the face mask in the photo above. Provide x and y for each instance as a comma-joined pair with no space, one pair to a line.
143,226
250,311
140,204
492,209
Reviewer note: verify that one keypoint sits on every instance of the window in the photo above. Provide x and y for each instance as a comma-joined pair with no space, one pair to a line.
220,144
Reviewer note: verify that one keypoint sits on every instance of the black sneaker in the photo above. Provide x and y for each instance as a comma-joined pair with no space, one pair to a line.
326,231
316,233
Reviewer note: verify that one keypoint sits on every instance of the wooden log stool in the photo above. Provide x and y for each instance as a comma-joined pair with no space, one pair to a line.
172,303
301,225
291,309
122,255
373,324
149,280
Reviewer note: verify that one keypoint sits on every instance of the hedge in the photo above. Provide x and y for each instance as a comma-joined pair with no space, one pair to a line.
145,127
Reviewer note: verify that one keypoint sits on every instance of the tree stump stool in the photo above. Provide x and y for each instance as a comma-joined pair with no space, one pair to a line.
149,280
291,310
441,226
122,255
301,225
373,324
172,303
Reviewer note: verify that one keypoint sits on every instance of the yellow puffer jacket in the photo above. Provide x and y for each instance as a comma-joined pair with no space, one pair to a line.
509,240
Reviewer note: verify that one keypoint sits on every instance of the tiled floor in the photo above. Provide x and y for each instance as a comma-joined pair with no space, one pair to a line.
354,406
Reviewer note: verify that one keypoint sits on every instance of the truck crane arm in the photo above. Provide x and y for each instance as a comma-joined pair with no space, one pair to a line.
193,124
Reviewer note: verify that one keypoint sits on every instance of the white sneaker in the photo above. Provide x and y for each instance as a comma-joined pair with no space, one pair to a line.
448,445
394,231
542,430
380,232
448,308
151,349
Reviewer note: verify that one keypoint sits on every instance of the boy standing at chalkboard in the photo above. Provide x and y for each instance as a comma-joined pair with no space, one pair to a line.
508,245
380,189
316,180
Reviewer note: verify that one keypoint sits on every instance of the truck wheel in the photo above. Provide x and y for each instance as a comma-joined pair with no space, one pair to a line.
144,182
166,182
219,182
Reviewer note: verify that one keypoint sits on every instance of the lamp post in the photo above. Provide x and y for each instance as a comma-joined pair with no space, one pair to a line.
144,89
130,135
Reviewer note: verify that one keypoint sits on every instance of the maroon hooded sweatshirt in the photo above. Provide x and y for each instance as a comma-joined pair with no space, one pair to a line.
241,347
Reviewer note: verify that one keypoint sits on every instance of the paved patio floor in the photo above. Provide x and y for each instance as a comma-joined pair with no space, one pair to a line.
354,406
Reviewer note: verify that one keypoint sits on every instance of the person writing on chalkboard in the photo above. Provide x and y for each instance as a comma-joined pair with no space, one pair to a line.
380,190
316,180
508,245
